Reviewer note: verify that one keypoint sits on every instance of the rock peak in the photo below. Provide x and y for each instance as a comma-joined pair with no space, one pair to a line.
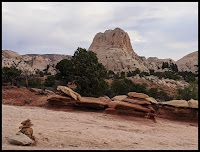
115,52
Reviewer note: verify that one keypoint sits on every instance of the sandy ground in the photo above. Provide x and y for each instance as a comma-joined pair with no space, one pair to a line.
81,130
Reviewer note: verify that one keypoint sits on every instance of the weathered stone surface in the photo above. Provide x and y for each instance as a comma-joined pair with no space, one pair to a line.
193,103
20,139
105,99
114,51
89,102
69,92
129,106
110,111
102,101
135,101
113,104
176,103
167,82
152,100
156,64
119,98
180,113
30,63
60,100
137,95
131,113
188,62
49,91
40,91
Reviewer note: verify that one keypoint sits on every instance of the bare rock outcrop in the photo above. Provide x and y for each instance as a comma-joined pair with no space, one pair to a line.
72,98
114,51
135,104
179,109
188,63
155,63
30,63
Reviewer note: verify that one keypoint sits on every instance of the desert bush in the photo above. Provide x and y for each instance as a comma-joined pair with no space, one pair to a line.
119,87
189,92
161,95
123,74
133,73
11,76
144,74
34,82
110,74
123,86
50,81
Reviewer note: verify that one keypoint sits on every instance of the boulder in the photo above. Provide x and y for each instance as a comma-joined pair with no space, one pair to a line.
113,104
176,103
135,101
89,102
119,98
41,91
129,106
105,99
193,103
20,139
60,100
35,90
137,95
69,92
152,100
49,91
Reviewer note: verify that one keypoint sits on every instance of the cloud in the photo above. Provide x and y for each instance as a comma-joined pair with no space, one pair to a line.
165,30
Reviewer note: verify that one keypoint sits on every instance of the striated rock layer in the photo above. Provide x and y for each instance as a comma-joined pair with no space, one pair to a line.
114,51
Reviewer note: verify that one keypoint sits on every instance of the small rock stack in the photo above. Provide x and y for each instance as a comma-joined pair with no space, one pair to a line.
25,135
67,97
136,104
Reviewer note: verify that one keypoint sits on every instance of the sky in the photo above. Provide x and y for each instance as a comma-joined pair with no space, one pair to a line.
156,29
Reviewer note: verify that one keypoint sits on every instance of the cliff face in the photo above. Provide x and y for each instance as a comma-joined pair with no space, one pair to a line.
30,63
155,63
114,51
188,62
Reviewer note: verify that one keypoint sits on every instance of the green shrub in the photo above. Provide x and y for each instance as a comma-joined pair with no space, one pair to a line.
119,87
153,92
85,71
123,75
50,81
161,95
11,76
190,92
122,87
34,82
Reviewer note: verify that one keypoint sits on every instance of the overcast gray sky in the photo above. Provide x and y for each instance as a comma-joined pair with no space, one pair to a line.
156,29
